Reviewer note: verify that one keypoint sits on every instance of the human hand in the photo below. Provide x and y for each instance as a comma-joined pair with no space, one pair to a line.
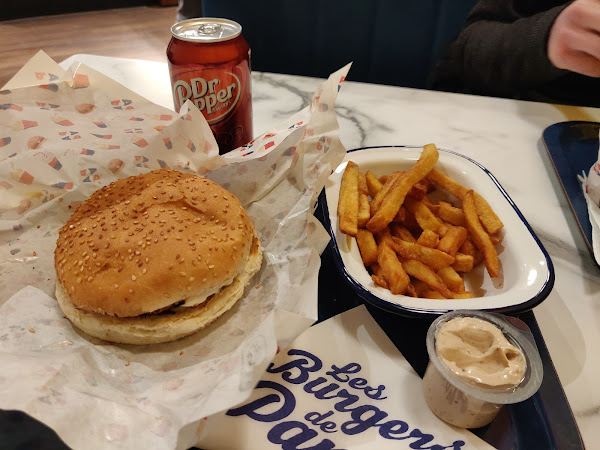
574,41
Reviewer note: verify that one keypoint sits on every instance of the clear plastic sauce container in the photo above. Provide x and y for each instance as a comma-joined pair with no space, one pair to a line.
479,362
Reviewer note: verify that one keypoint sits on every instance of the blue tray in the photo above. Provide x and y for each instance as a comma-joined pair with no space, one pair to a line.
573,149
544,421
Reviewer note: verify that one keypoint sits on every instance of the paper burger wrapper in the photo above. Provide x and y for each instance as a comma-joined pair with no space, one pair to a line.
591,187
65,134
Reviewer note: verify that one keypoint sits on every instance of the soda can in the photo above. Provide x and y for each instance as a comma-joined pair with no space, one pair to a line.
209,64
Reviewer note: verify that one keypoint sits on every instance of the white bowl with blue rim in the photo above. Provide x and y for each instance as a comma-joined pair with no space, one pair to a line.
526,270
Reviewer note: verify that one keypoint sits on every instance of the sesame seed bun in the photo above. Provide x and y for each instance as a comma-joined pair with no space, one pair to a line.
147,258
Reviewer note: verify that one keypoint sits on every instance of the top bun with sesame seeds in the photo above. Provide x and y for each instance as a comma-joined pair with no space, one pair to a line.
154,257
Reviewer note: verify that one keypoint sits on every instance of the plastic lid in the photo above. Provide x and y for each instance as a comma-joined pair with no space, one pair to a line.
519,336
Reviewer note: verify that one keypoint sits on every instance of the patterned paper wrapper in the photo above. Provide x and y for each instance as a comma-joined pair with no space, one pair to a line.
66,134
591,187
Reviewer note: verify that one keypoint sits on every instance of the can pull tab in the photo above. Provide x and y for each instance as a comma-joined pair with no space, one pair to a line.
209,28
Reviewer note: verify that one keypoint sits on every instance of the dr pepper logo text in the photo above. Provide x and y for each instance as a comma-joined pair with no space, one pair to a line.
216,97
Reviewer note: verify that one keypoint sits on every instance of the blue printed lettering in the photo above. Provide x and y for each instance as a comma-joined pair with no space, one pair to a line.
252,409
321,393
392,428
424,438
317,419
292,441
357,383
343,405
341,374
295,435
348,368
304,366
363,418
375,393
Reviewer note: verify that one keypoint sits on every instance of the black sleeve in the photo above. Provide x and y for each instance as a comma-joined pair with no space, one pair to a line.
501,51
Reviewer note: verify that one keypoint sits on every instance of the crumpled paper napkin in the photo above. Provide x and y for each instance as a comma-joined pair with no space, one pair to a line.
591,188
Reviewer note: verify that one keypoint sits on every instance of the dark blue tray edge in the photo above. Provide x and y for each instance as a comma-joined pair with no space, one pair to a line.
567,179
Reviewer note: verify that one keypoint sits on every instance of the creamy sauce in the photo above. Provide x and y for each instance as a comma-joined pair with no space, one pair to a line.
477,351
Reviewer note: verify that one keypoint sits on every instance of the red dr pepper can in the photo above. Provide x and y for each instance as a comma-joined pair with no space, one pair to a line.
209,63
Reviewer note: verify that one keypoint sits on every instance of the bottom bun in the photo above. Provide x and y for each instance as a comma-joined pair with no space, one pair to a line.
167,326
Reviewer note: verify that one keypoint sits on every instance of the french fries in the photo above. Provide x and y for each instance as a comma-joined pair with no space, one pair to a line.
453,239
433,258
429,239
395,195
364,208
411,245
480,237
391,269
487,216
424,273
348,201
367,246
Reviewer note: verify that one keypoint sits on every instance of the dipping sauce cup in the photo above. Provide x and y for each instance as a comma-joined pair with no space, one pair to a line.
468,380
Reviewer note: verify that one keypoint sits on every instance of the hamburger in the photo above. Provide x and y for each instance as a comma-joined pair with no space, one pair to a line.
154,257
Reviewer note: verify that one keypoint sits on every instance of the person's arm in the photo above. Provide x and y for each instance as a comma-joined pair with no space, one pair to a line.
501,51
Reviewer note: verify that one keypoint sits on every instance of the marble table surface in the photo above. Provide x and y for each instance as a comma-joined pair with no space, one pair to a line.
503,135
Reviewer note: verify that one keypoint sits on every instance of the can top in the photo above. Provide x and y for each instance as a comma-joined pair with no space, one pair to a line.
206,30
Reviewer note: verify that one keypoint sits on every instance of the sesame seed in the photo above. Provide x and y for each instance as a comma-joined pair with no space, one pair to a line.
211,266
116,286
133,278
